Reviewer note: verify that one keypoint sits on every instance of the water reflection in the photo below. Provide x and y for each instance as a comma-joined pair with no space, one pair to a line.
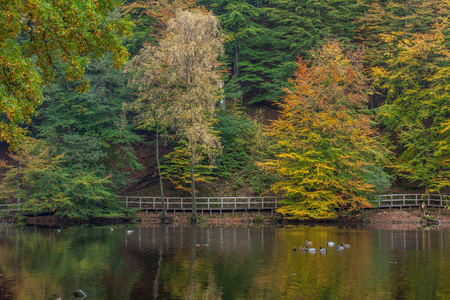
223,263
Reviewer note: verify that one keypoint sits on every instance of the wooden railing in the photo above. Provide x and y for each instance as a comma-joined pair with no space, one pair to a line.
9,208
203,203
413,200
253,203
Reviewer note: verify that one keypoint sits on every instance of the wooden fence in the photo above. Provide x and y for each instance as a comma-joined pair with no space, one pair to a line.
203,203
413,200
221,204
9,208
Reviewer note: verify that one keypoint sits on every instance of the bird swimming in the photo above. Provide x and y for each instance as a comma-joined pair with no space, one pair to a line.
310,249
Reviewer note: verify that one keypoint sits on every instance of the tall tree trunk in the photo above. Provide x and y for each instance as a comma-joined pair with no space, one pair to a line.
161,188
236,60
194,200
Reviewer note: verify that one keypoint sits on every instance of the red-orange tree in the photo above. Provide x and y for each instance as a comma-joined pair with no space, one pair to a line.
328,150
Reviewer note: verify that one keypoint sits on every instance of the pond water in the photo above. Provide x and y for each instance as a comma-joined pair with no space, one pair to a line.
222,263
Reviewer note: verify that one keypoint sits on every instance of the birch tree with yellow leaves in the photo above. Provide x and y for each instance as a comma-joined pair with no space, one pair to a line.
179,83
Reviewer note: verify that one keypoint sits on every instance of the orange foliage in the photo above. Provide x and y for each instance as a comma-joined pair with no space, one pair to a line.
326,143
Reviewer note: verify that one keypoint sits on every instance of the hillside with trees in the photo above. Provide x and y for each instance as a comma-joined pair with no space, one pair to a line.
326,103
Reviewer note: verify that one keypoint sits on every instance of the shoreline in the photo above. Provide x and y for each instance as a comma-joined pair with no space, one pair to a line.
375,219
404,219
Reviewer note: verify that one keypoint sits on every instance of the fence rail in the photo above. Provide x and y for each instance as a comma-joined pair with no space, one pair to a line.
413,200
9,208
253,203
203,203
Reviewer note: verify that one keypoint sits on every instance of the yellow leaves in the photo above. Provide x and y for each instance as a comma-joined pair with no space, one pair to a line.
324,138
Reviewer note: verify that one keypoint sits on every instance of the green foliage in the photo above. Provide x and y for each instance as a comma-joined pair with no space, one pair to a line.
267,36
37,36
243,145
237,133
178,164
39,181
91,128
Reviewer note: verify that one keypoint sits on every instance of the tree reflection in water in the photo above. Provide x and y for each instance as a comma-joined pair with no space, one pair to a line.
223,263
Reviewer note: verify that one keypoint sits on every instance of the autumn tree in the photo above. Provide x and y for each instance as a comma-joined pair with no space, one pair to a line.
36,36
328,150
179,81
416,80
150,18
405,18
155,98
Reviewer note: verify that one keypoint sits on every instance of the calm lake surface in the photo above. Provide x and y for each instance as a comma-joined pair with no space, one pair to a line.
222,263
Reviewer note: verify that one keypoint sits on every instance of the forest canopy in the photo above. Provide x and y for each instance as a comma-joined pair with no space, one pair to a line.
323,103
41,39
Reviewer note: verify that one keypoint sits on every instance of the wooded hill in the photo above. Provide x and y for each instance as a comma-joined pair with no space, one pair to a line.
324,102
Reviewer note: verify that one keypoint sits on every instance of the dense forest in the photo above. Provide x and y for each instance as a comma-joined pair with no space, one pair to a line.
326,103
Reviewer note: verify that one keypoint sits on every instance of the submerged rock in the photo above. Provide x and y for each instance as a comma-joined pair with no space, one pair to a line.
79,294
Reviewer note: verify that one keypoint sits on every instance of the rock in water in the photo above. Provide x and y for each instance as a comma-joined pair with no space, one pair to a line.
79,294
